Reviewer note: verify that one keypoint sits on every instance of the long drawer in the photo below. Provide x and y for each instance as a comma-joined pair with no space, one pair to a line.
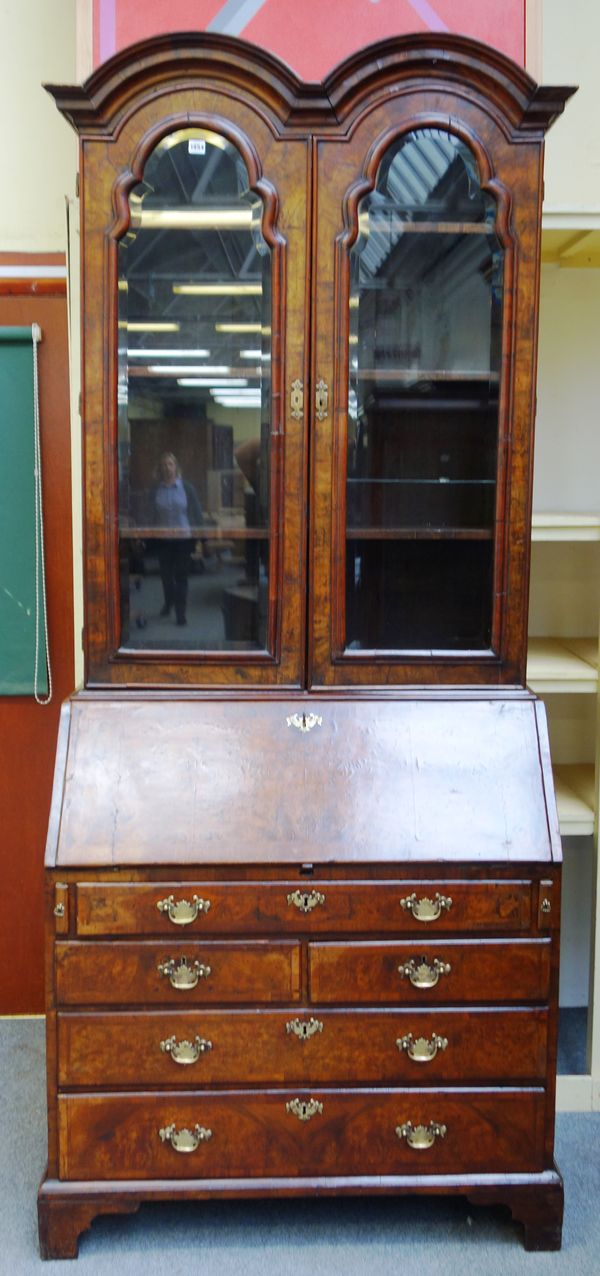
207,908
289,1133
273,1046
485,971
176,973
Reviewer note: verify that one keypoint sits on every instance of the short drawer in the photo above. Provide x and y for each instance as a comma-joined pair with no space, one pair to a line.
176,973
486,971
209,908
206,1135
274,1046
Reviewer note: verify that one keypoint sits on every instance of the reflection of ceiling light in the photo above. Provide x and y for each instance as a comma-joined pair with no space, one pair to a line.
251,354
231,401
218,290
352,340
242,327
212,381
354,302
178,370
150,327
251,391
191,218
168,354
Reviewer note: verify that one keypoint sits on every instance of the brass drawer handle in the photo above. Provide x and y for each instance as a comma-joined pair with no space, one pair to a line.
419,1049
305,901
424,909
422,974
304,1109
182,913
182,976
185,1140
185,1052
421,1137
303,1028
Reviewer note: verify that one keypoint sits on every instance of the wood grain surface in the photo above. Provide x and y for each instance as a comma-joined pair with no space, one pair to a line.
218,782
117,1136
259,1047
104,908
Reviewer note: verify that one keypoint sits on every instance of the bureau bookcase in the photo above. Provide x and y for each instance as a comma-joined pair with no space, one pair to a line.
303,862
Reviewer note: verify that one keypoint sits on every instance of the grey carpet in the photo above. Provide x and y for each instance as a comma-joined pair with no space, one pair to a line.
417,1237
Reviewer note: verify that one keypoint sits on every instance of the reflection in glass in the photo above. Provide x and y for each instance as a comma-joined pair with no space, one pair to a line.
426,275
194,403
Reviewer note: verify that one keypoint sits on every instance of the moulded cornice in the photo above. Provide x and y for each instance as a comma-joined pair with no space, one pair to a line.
172,61
455,58
139,70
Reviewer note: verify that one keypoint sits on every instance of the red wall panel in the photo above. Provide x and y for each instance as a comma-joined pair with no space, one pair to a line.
308,34
28,731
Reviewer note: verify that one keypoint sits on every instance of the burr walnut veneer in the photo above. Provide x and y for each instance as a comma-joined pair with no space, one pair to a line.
303,863
334,996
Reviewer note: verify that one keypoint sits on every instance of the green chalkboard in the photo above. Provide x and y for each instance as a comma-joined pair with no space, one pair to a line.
21,621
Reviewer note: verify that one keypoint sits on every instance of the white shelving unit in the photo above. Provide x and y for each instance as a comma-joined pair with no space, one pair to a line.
575,786
565,527
562,667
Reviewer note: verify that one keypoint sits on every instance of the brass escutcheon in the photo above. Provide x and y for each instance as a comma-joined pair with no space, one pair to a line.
181,975
304,722
305,901
424,909
182,912
546,906
303,1028
422,974
297,400
419,1049
421,1137
304,1109
321,400
184,1140
185,1052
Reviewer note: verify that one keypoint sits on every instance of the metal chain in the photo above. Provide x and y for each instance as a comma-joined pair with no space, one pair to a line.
40,566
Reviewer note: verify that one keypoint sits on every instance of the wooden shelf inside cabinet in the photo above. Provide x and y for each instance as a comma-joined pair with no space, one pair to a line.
232,533
419,533
158,369
415,375
375,221
566,527
562,665
575,799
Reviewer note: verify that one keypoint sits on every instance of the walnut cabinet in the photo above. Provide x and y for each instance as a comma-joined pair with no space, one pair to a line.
303,865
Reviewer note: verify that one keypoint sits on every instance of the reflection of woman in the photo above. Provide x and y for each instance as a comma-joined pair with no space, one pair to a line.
176,507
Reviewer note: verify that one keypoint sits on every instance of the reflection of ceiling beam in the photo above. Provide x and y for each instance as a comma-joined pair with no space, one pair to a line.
187,218
207,175
576,244
218,290
572,247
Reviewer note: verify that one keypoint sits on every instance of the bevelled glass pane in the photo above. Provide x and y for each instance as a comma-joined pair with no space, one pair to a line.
426,277
194,403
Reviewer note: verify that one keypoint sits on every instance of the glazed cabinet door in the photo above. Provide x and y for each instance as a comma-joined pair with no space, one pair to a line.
423,395
195,217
